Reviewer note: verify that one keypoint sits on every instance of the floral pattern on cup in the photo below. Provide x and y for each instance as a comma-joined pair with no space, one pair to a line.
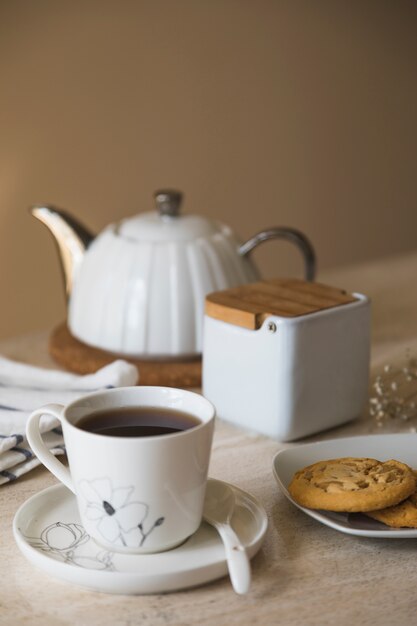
119,519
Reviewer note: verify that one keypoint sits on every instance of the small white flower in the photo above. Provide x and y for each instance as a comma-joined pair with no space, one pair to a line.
112,509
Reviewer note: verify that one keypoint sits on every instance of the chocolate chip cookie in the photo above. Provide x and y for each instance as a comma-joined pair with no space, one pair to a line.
352,484
402,515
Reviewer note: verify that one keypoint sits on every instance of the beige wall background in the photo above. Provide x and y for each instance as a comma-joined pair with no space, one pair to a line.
264,112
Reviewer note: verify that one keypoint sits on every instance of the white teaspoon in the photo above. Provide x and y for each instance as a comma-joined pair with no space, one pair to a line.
218,510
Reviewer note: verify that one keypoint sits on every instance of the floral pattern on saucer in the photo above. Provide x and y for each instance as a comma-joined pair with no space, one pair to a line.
119,520
65,541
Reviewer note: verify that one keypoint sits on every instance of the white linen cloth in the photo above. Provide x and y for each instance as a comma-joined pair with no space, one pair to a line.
24,388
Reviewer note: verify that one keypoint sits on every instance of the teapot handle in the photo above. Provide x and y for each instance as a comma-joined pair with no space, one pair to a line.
289,234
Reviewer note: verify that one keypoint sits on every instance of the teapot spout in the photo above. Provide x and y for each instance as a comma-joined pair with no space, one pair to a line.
72,239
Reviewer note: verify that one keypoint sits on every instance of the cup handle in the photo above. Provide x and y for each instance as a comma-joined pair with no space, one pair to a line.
46,457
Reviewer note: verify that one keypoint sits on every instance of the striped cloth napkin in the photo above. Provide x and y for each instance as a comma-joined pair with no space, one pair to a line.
24,388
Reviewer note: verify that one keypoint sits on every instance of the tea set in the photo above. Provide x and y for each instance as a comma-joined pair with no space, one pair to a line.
285,358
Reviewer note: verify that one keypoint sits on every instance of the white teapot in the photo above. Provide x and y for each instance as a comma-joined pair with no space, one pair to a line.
139,287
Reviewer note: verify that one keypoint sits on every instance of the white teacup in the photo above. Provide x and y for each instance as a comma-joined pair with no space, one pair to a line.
134,494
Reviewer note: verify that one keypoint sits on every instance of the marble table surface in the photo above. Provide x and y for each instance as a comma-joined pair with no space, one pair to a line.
305,574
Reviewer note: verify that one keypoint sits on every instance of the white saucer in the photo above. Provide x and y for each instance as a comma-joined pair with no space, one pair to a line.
48,532
402,447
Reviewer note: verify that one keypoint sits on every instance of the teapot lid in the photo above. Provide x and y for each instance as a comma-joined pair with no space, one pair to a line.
166,223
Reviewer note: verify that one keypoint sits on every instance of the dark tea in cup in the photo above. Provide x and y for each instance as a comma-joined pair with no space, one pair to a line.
131,421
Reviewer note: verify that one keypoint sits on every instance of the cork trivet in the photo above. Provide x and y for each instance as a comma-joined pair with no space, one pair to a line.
82,359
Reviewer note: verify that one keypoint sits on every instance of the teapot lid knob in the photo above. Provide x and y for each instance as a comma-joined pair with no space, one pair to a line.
168,202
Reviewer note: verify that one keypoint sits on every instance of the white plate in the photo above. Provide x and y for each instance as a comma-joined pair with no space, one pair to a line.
48,532
402,447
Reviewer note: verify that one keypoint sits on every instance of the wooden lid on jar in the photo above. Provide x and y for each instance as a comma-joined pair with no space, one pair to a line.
249,305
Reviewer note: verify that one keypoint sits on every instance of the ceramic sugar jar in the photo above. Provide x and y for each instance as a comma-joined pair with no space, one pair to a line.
286,358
